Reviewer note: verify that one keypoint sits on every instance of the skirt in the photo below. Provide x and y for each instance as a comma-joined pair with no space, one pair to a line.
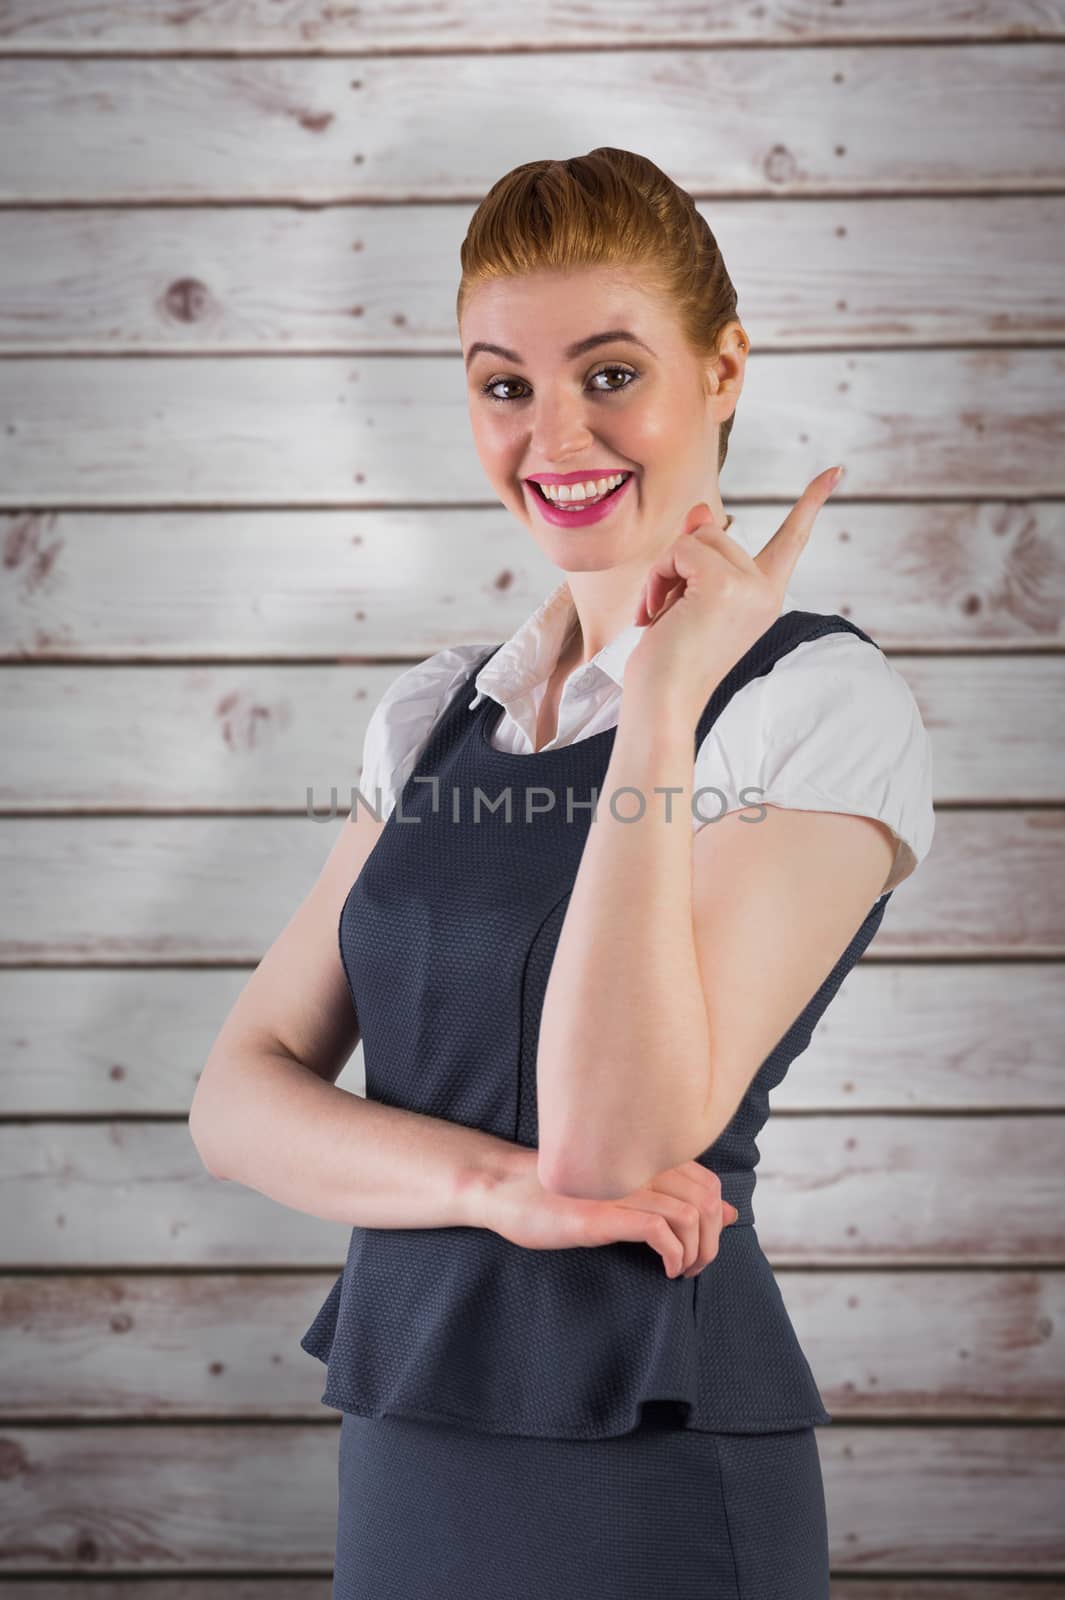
431,1511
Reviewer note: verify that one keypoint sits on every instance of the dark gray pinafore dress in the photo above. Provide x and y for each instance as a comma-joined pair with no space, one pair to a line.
569,1423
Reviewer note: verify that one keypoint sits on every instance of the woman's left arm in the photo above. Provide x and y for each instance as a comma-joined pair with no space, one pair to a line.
682,961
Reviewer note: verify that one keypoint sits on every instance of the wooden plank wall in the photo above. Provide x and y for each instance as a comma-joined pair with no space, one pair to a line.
237,495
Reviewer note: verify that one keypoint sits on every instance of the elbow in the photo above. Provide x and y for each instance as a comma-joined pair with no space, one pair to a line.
202,1148
585,1180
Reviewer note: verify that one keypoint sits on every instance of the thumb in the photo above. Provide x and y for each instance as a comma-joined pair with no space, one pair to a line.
697,515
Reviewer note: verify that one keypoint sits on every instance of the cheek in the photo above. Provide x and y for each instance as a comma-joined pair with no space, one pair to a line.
657,436
496,444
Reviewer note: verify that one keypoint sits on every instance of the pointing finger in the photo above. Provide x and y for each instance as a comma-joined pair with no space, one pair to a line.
779,557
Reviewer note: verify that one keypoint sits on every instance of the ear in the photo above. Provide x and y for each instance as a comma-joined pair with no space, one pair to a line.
726,368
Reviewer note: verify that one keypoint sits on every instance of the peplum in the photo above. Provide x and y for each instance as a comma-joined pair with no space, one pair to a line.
447,938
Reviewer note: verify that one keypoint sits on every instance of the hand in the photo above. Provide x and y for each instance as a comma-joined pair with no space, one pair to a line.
680,1214
705,602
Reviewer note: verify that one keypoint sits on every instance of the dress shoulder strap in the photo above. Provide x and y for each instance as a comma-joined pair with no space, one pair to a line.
792,629
451,722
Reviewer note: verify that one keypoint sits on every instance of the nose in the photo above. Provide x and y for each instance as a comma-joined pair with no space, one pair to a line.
560,428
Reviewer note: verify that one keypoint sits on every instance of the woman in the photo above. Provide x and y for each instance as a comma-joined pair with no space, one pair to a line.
568,1370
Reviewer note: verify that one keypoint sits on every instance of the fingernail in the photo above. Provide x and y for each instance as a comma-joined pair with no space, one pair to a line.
837,475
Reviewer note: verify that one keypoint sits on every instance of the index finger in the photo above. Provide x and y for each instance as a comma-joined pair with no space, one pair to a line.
779,556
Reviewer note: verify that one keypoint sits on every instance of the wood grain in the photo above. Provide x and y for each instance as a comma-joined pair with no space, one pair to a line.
115,1499
114,432
921,1037
313,28
890,1343
875,1190
948,118
895,271
238,495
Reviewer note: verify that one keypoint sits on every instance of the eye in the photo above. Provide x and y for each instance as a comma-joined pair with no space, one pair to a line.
625,372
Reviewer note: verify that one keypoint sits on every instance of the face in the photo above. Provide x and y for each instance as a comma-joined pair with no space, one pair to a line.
648,408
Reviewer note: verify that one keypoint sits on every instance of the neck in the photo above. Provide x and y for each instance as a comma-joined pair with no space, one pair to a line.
602,617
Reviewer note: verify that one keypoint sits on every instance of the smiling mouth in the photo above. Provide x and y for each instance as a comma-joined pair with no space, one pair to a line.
576,505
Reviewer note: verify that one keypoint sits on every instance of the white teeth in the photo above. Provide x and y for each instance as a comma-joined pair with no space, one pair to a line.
586,493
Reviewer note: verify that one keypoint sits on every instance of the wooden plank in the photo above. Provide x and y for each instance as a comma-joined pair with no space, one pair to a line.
977,118
307,27
864,1588
363,585
161,1498
289,1587
235,1587
153,1346
151,891
916,1037
891,272
911,1499
114,432
832,1191
259,737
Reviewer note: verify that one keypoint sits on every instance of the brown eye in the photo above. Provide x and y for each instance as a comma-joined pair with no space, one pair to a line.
624,371
497,383
502,399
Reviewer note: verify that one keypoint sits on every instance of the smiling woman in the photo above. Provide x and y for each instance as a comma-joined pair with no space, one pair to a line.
601,1348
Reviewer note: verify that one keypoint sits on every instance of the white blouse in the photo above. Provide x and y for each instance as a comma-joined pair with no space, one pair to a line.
833,727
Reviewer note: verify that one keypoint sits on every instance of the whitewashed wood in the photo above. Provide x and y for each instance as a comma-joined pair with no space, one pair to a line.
911,1499
937,1345
932,1037
283,587
235,1587
259,737
912,1190
132,891
864,1588
891,272
948,119
324,430
165,1497
287,1587
103,1346
122,1194
133,1041
160,1498
832,1190
920,1037
313,27
362,585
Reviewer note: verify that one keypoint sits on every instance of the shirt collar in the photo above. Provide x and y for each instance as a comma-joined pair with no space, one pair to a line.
529,656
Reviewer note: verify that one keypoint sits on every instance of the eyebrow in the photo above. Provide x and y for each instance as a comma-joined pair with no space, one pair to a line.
579,349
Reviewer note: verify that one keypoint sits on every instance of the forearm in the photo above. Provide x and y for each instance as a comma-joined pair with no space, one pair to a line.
266,1121
623,1065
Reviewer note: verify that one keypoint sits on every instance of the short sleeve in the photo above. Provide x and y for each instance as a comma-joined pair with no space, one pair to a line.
404,717
834,726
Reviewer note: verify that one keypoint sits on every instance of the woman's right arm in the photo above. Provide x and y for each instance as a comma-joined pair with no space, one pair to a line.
267,1113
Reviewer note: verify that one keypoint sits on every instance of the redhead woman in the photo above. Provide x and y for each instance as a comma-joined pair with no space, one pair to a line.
610,874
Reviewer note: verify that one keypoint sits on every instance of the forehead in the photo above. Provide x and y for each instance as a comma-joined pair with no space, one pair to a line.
547,311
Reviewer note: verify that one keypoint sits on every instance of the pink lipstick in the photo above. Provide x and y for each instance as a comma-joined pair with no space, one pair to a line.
562,518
